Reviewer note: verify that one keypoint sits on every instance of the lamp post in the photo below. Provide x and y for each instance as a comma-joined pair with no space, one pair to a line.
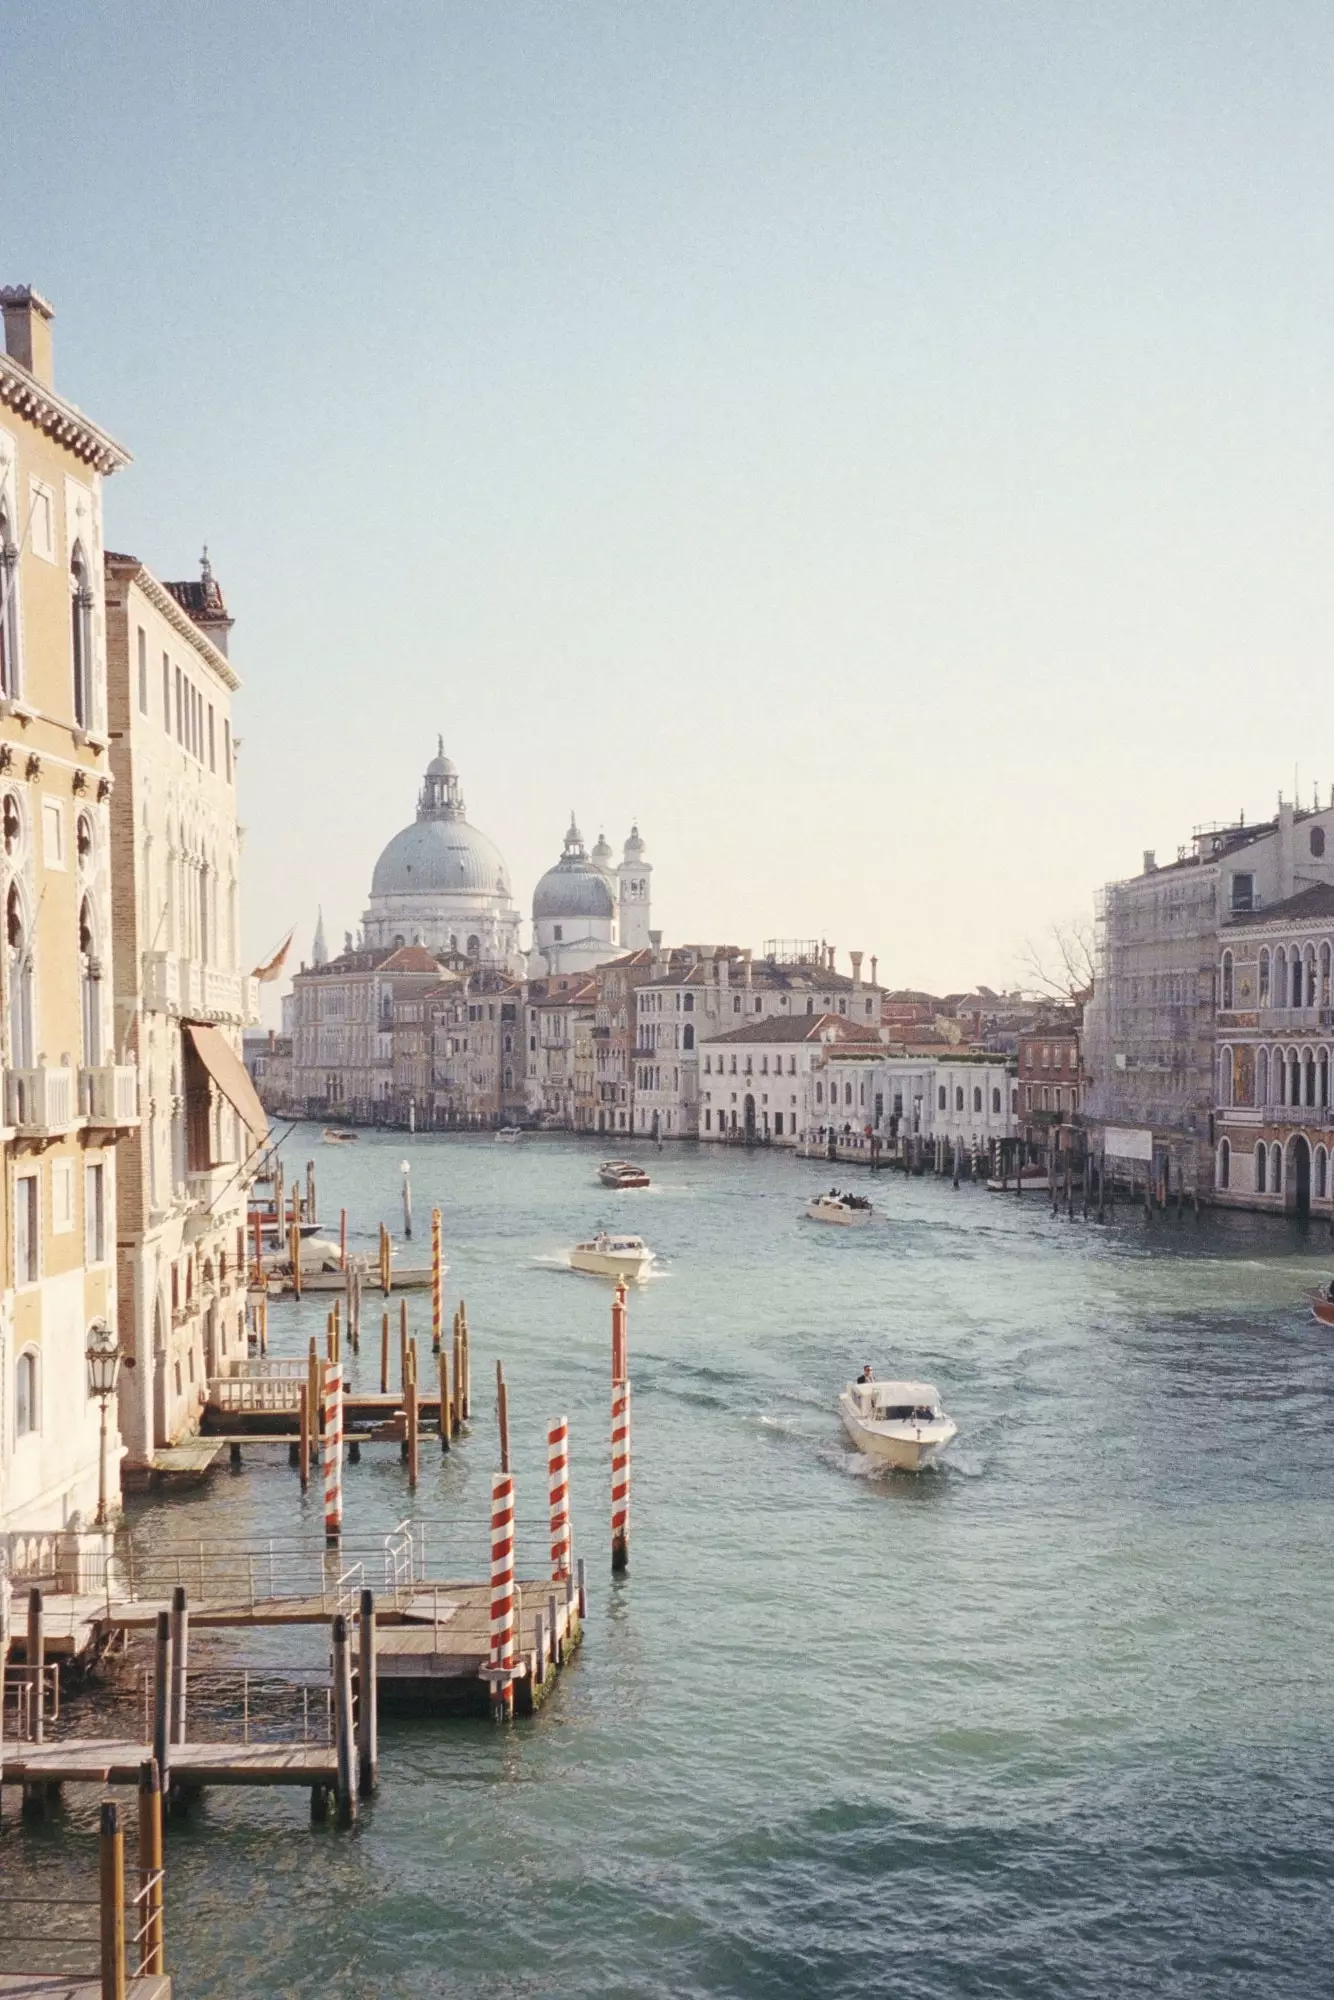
103,1357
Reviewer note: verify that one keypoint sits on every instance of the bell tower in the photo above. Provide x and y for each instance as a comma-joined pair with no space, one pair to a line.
634,886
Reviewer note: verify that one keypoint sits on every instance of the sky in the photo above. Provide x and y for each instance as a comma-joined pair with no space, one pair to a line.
885,449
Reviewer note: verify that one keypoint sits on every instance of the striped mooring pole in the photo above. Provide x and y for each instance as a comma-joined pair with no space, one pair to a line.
437,1283
620,1432
333,1451
558,1478
502,1596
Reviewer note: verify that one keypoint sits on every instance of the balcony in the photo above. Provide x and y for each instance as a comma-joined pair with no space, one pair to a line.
41,1102
176,985
205,1187
109,1096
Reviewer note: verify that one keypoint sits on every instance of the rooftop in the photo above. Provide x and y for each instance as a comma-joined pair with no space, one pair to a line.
1313,905
800,1028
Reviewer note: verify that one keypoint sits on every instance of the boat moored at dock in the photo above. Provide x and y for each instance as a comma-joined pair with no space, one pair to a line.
900,1423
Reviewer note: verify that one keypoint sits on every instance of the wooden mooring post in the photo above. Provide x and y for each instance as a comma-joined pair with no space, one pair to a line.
368,1736
342,1239
413,1417
445,1426
503,1417
151,1941
180,1647
346,1793
36,1664
162,1697
303,1442
384,1353
112,1902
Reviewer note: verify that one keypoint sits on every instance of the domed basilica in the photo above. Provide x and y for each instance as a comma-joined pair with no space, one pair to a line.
441,883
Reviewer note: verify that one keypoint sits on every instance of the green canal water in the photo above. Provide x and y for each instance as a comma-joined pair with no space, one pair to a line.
1052,1721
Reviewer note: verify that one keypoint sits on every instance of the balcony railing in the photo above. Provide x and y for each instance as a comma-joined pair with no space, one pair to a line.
42,1100
176,985
109,1095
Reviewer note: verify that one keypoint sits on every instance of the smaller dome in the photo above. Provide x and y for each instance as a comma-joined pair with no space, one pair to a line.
634,846
440,765
575,887
601,854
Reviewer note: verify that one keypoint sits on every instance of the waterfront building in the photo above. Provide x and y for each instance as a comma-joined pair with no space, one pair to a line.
478,1069
346,1018
268,1057
758,1083
67,1096
181,1000
584,911
964,1095
1150,1029
1274,1130
560,1013
614,1033
1049,1077
441,883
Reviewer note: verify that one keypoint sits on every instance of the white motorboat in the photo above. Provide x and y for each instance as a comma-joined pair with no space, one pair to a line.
847,1210
607,1256
509,1135
900,1423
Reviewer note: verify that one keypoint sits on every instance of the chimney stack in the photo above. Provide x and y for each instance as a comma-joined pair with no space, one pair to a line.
1150,861
874,979
856,958
831,957
28,319
747,975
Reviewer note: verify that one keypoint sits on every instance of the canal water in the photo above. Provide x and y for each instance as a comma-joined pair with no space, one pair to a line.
1054,1720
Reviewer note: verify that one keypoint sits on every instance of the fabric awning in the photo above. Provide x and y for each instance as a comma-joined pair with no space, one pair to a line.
231,1076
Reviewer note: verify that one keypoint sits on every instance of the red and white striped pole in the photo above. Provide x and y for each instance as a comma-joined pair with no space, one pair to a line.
502,1596
620,1433
437,1283
333,1450
558,1478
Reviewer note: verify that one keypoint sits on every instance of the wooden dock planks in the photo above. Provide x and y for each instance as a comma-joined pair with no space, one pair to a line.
117,1761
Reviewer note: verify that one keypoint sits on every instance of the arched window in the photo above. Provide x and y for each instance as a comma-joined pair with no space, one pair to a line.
1321,1172
1224,1164
1308,977
90,988
1281,977
958,1097
27,1394
1322,1078
509,1079
688,1038
20,981
1262,1077
1324,974
977,1099
1308,1077
474,947
1224,1078
11,822
995,1099
1261,1160
1263,995
9,607
1276,1168
1226,983
81,637
1294,1077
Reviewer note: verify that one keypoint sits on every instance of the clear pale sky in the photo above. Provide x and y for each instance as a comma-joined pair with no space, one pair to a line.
887,448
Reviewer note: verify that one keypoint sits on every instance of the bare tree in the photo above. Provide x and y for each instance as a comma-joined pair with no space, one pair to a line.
1059,966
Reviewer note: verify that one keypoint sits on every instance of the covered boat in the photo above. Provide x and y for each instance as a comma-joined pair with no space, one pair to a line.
608,1256
900,1423
622,1174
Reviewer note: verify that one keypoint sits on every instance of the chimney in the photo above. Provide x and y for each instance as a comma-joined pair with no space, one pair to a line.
874,962
1150,861
748,975
856,958
28,320
831,958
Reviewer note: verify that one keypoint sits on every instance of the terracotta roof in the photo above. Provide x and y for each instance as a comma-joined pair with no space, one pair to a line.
410,958
1307,906
799,1028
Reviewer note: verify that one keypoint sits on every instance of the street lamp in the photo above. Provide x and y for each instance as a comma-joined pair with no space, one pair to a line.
103,1357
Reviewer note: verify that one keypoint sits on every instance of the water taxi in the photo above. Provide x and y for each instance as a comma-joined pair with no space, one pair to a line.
845,1209
607,1256
900,1423
622,1174
509,1135
335,1136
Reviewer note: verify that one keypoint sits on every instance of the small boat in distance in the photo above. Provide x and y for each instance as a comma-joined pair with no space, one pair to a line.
509,1135
847,1209
1322,1306
333,1135
607,1256
900,1423
622,1174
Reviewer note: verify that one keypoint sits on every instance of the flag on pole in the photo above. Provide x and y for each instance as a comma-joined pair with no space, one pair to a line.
273,966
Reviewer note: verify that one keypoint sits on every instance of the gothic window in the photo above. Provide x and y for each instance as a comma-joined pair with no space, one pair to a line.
83,839
11,823
20,982
1264,978
977,1100
1227,982
995,1100
90,988
689,1041
81,637
1261,1162
1224,1164
27,1407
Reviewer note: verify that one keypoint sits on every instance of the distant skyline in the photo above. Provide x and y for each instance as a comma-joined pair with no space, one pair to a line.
884,450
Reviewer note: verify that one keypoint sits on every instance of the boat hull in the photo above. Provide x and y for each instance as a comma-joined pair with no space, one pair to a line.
899,1448
1322,1308
847,1218
605,1264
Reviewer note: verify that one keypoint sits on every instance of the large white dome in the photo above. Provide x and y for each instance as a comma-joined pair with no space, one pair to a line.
441,882
436,855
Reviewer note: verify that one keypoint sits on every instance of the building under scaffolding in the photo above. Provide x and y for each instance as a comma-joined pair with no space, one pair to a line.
1149,1029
